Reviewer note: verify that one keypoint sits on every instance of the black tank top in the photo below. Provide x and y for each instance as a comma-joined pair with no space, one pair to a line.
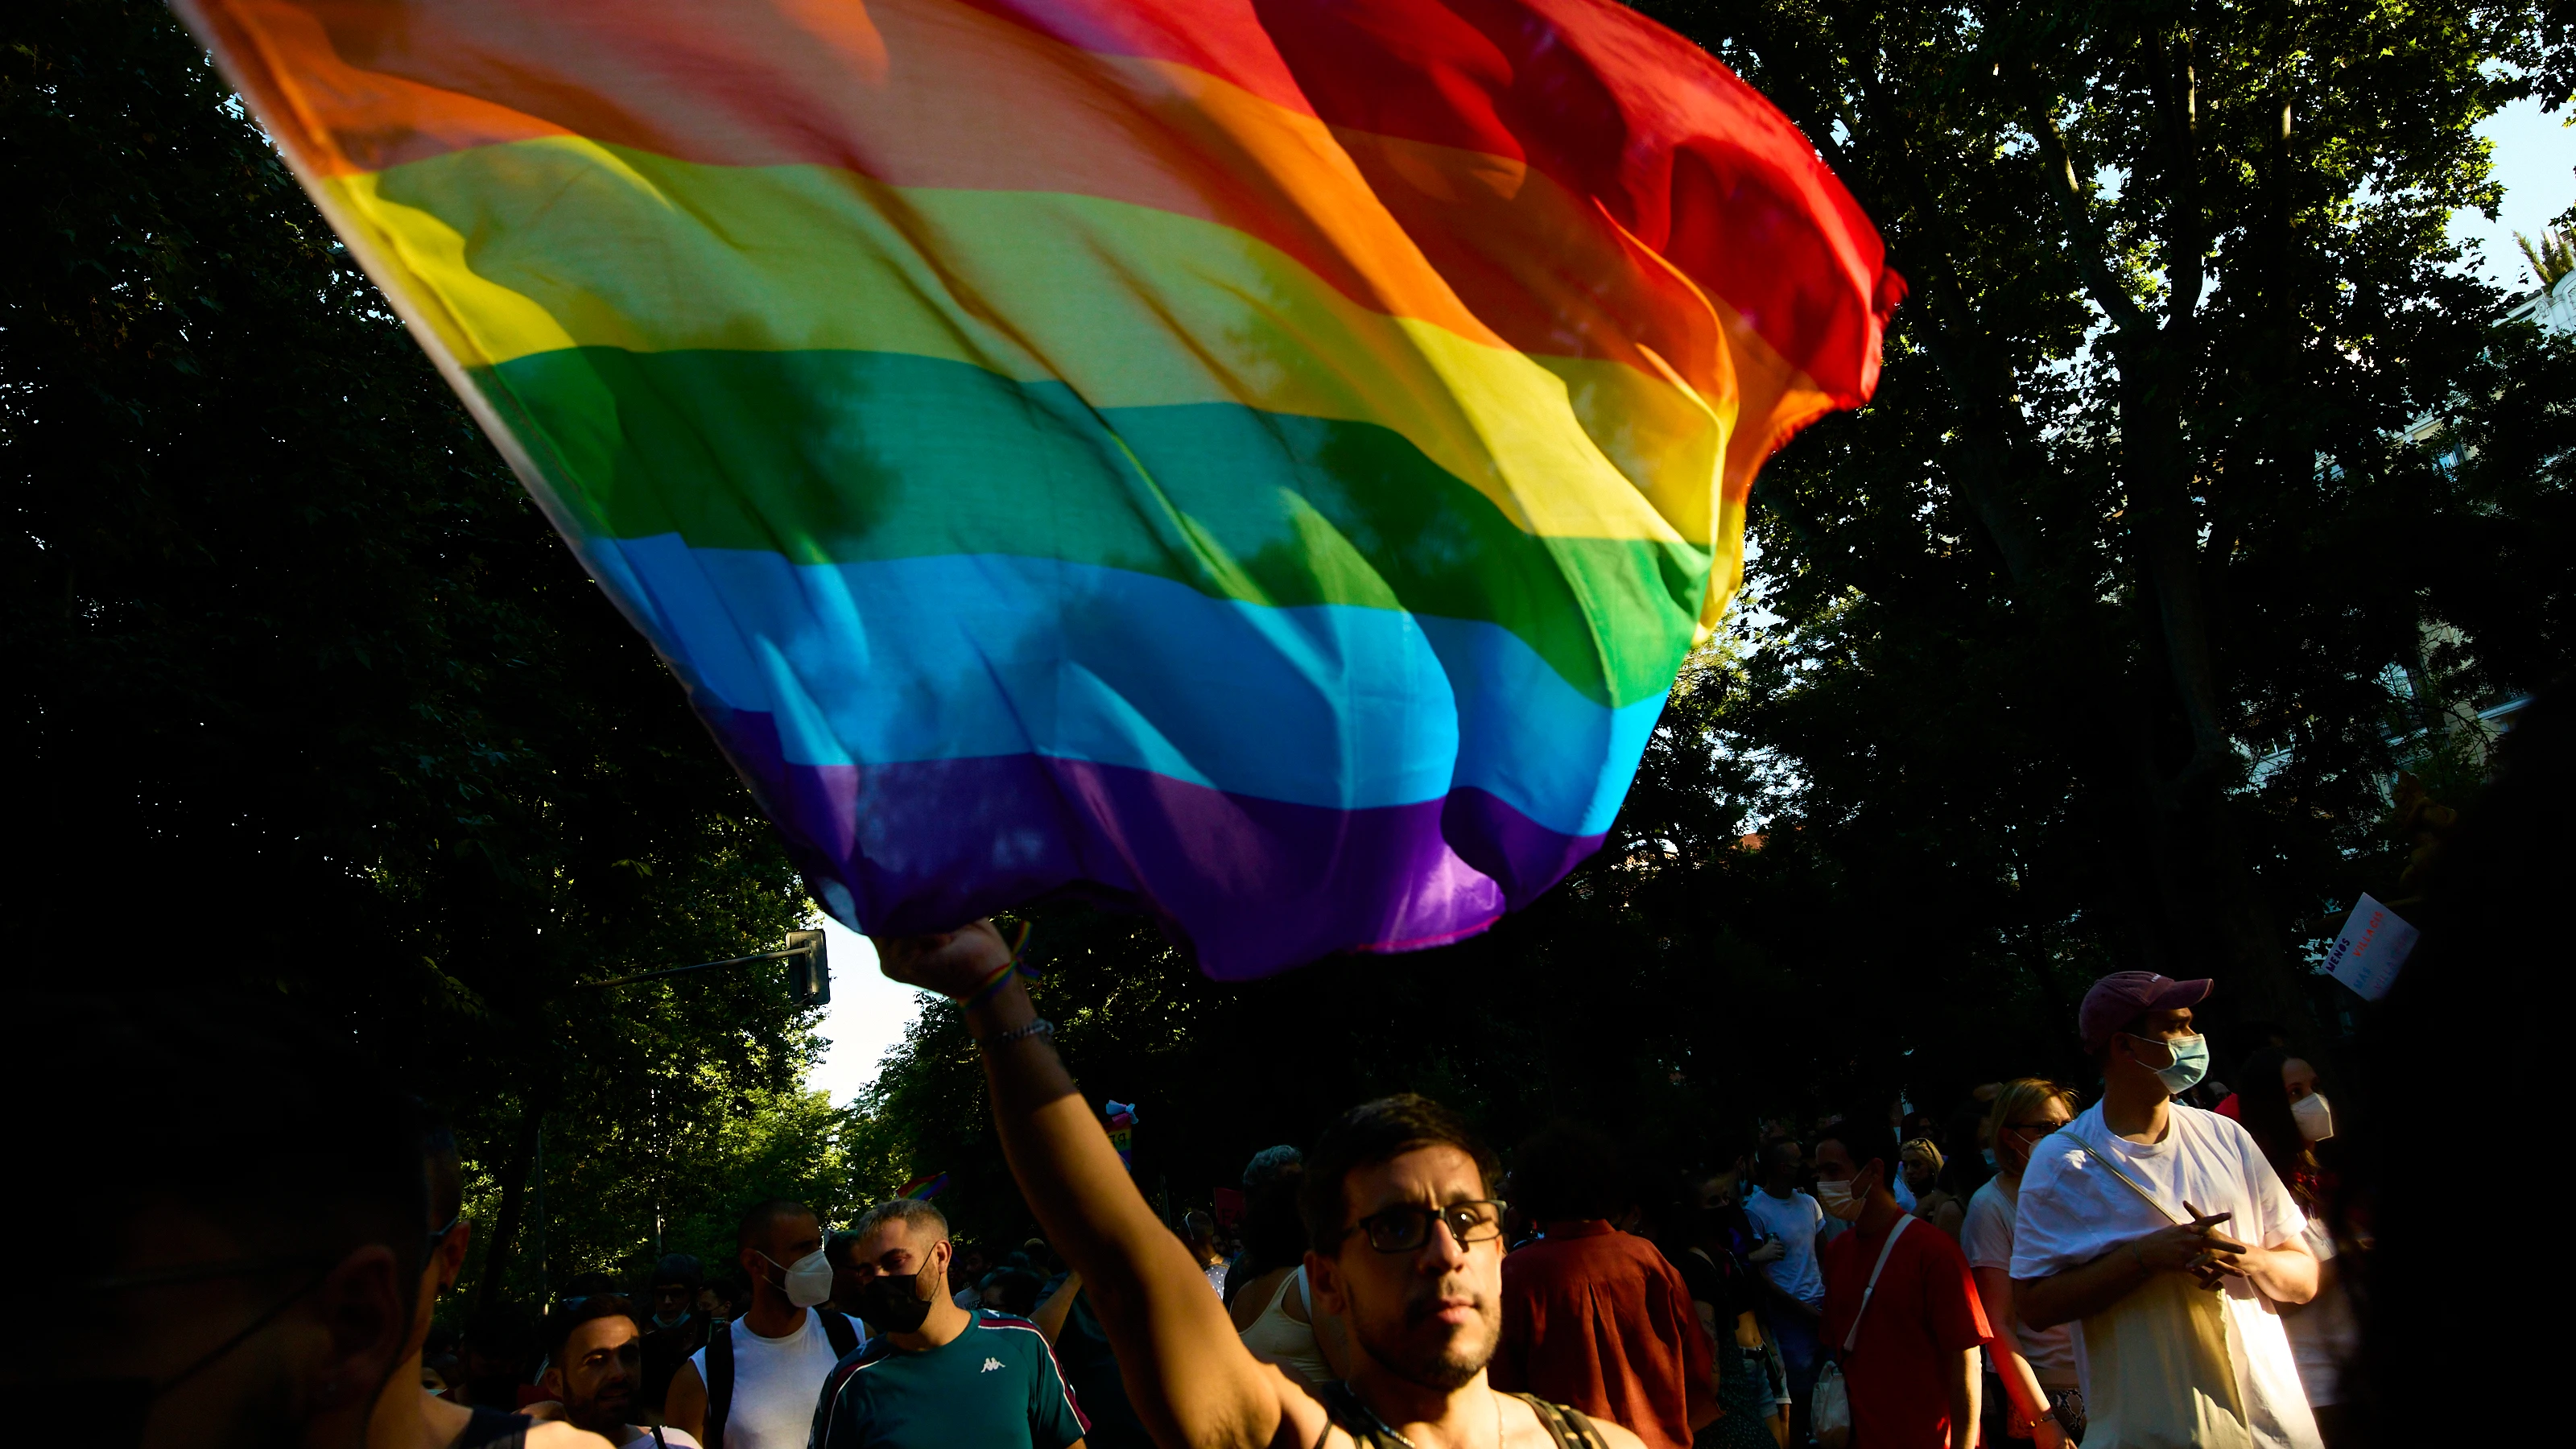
493,1429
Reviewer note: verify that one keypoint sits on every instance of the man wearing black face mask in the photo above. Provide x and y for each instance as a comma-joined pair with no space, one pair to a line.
936,1374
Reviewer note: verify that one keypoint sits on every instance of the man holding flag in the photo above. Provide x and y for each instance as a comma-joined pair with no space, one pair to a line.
1400,1207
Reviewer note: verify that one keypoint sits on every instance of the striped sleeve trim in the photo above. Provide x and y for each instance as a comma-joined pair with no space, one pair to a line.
1004,1324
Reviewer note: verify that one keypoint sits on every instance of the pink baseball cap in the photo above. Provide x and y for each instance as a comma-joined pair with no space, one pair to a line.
2118,998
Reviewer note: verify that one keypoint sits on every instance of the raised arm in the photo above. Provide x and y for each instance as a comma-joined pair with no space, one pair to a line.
1189,1377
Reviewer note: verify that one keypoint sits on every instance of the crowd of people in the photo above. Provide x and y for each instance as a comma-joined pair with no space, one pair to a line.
2136,1270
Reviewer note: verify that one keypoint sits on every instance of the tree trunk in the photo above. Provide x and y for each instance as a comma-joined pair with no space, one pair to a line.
514,1195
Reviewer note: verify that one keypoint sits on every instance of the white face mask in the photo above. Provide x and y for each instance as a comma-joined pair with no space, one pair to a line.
809,1279
2315,1118
1837,1200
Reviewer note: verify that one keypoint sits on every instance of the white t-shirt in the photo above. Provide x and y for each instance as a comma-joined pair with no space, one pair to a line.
2073,1210
673,1438
776,1384
1793,1220
2323,1335
1987,1237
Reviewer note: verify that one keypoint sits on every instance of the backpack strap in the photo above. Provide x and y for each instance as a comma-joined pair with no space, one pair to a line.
1902,1223
719,1381
840,1330
1566,1425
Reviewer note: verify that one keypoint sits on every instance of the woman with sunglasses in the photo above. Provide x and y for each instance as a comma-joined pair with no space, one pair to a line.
2027,1369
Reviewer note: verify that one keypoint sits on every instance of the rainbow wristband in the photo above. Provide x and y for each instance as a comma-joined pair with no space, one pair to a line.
992,985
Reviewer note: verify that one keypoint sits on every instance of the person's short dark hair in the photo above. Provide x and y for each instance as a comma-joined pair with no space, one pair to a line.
1866,1139
560,1323
837,1246
1771,1150
1019,1289
285,1137
1267,1165
1568,1172
1274,1224
680,1269
1371,1133
758,1218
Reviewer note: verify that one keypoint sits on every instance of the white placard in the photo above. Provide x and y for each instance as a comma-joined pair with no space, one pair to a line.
2373,945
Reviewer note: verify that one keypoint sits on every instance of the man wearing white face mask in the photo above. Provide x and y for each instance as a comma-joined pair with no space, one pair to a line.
755,1384
2163,1235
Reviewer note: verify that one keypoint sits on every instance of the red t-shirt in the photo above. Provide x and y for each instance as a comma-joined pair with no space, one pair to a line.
1923,1316
1596,1319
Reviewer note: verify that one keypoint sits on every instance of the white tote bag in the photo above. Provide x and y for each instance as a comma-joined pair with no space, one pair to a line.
1829,1412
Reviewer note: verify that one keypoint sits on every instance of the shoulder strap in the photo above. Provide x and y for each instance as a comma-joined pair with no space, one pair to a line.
1894,1233
838,1328
2152,1200
1566,1425
658,1441
719,1381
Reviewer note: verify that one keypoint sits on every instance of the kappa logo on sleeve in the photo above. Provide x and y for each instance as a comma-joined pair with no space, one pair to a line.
991,1364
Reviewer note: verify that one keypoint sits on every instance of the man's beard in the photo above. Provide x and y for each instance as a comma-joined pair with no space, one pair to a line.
1445,1366
601,1414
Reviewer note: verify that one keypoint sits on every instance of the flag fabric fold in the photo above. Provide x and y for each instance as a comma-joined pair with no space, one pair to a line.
1261,461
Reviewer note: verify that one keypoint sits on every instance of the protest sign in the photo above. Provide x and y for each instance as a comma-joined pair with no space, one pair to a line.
2373,945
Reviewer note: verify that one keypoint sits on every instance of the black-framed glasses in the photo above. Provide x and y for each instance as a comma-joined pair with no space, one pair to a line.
1406,1227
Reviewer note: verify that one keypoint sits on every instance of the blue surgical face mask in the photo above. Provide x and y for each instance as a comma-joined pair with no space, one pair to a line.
2190,1062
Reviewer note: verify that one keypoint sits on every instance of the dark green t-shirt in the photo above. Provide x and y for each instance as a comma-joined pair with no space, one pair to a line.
995,1386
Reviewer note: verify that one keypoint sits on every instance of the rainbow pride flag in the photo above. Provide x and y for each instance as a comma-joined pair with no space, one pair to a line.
1258,460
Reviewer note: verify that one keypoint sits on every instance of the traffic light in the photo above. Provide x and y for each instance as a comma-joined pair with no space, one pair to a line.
809,973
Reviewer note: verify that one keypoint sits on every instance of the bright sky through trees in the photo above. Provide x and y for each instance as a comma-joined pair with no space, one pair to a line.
2535,158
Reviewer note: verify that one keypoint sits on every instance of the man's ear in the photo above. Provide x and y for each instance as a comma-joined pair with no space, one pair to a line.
553,1382
1324,1276
365,1324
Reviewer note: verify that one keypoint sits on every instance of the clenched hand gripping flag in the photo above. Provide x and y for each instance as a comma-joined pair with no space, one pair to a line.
1263,460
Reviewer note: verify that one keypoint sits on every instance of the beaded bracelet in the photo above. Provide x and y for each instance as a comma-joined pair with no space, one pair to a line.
1040,1027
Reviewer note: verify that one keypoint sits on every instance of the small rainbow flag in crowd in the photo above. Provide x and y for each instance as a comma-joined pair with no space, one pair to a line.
929,1185
1259,460
1122,1131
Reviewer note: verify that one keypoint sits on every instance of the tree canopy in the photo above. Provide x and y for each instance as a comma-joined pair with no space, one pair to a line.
309,697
